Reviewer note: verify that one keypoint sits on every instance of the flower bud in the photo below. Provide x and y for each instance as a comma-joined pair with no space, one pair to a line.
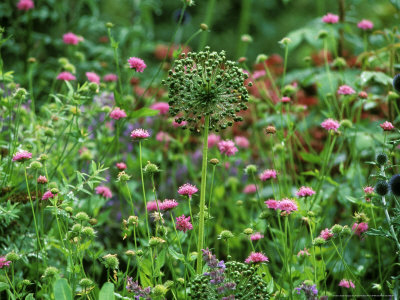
85,282
381,159
248,231
151,168
88,231
12,256
203,27
50,272
337,229
111,261
319,241
82,216
250,169
155,241
36,165
225,235
261,58
214,161
381,188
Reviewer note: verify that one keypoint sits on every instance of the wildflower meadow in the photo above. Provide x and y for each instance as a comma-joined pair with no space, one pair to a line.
181,149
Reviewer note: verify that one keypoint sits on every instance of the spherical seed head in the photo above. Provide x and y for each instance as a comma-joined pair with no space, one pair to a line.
160,290
337,229
12,256
151,168
139,253
381,159
226,234
214,161
250,169
111,261
82,216
122,176
394,184
36,165
381,188
270,130
130,253
85,282
248,231
50,272
396,83
319,241
206,84
88,231
76,228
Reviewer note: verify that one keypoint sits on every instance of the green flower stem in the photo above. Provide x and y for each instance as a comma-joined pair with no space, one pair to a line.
202,195
324,271
209,202
143,189
30,79
260,203
328,73
11,284
377,247
208,20
314,261
180,248
290,249
285,65
126,273
114,45
130,199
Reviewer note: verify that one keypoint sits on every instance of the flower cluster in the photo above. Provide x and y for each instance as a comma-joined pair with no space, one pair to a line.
187,189
103,191
206,84
134,287
309,289
227,147
347,284
256,258
286,205
305,192
217,267
22,156
183,223
267,174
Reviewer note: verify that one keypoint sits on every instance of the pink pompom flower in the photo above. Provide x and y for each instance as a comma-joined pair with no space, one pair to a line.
47,195
387,126
42,179
359,228
303,253
250,189
140,134
242,142
93,77
183,223
347,284
67,76
153,205
162,107
346,90
71,39
121,166
168,204
285,99
330,18
326,234
227,147
267,174
330,124
22,156
287,205
272,204
213,140
137,64
256,236
103,191
365,24
163,137
110,77
4,262
117,114
305,191
256,258
25,5
187,189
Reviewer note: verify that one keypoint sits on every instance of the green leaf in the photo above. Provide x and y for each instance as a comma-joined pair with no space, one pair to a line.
107,292
3,286
143,112
309,157
29,297
379,77
61,289
175,254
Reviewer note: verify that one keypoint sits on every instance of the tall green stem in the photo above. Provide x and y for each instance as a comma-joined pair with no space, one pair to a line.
144,192
202,195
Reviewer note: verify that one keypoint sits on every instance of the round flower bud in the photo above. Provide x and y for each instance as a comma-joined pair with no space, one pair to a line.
93,87
264,214
250,169
93,221
54,191
319,241
239,203
345,123
151,168
285,41
85,282
288,90
339,62
133,220
12,256
26,282
394,184
270,130
363,95
109,25
82,216
346,230
31,60
106,109
337,229
381,188
246,38
49,132
214,161
50,272
130,253
311,214
242,59
248,231
63,61
180,280
225,235
139,253
69,209
20,94
88,231
322,34
70,68
261,58
52,185
76,228
36,165
155,241
111,261
203,27
43,157
122,176
159,290
381,159
393,96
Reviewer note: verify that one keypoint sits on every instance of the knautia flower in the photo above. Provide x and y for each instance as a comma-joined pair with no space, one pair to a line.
4,262
227,147
110,77
93,77
267,174
103,191
330,124
287,205
242,141
365,24
187,189
25,5
162,136
153,205
330,18
121,166
137,64
22,156
369,190
206,84
256,236
346,283
47,195
67,76
183,223
256,258
346,90
71,38
117,114
213,140
139,134
162,107
285,99
387,126
303,253
250,189
326,234
42,179
272,204
305,191
359,228
168,204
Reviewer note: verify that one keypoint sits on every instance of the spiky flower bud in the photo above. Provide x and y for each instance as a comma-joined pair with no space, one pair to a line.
69,209
111,261
206,84
225,235
49,132
43,157
381,159
53,185
36,165
130,253
151,168
159,290
248,231
20,94
88,231
337,229
85,282
214,161
122,176
396,83
76,228
50,272
393,95
270,130
250,169
12,256
133,220
82,216
394,184
381,188
155,241
319,241
288,90
139,253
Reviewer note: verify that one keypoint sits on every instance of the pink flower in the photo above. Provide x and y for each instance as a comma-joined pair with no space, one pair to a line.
242,141
285,99
345,90
163,137
256,257
103,191
25,5
22,156
183,223
360,228
347,284
152,205
250,189
4,262
187,189
42,179
330,18
93,77
369,190
330,124
213,140
365,24
363,95
387,126
137,64
67,76
110,77
168,204
175,124
121,166
227,147
258,74
287,205
140,134
326,234
162,107
71,38
256,236
117,114
271,203
47,195
267,174
305,191
303,253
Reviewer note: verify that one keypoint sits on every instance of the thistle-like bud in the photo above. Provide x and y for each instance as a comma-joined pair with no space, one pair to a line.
381,188
155,241
319,241
248,231
36,165
151,168
82,216
337,229
12,256
85,282
88,231
159,290
214,161
122,176
261,58
381,159
250,169
50,272
225,235
111,261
